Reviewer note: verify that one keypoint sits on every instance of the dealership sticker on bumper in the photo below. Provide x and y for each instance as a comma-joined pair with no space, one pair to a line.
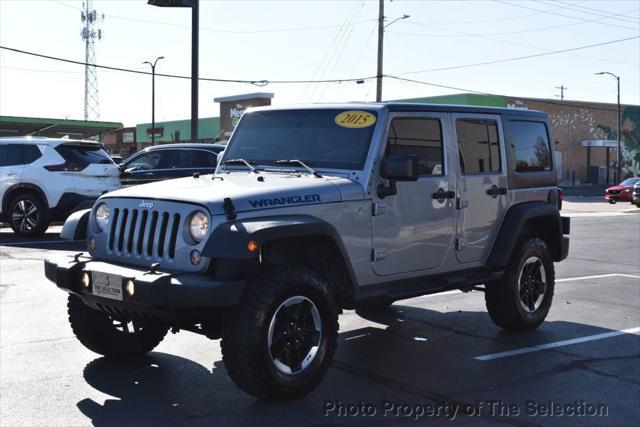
106,285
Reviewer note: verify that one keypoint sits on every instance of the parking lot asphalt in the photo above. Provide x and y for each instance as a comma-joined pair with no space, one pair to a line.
429,359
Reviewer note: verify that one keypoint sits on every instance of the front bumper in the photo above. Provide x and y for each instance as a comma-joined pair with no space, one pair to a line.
159,292
622,196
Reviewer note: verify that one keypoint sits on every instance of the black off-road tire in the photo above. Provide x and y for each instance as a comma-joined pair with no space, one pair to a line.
40,217
96,331
245,348
502,297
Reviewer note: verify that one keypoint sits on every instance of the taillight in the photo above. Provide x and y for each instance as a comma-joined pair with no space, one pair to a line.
560,198
67,167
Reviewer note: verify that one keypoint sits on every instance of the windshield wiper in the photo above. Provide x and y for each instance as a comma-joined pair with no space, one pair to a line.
247,163
295,162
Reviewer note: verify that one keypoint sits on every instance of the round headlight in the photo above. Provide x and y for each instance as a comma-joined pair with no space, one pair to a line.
102,216
199,225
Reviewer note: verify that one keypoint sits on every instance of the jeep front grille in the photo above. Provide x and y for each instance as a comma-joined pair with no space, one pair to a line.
144,233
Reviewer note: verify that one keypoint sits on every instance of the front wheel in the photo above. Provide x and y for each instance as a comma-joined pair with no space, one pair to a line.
521,299
279,342
612,201
110,336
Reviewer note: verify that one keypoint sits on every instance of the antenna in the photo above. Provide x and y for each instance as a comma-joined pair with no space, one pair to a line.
89,34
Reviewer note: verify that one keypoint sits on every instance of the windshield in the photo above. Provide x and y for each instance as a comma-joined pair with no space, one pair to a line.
629,182
319,138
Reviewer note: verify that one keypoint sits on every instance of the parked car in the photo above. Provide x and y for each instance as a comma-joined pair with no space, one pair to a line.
44,180
621,192
635,194
169,161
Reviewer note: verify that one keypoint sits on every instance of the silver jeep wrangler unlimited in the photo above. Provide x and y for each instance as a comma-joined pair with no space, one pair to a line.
313,210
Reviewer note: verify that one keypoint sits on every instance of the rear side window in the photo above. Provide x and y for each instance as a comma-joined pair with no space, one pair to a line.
422,137
10,154
84,154
531,146
479,146
30,153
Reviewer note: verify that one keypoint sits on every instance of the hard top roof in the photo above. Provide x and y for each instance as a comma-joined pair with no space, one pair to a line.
204,145
409,107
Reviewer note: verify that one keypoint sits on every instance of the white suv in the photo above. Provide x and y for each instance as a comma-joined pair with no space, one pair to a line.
44,180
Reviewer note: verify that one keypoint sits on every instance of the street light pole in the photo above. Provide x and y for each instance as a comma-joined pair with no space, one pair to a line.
619,126
381,28
153,98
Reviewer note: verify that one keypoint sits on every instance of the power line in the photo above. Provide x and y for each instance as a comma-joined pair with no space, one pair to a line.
502,33
517,58
176,76
591,11
561,15
538,100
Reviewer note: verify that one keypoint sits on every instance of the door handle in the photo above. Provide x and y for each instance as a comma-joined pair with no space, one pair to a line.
441,195
494,191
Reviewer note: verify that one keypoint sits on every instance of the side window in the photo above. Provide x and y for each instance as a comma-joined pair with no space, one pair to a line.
145,161
183,159
479,146
10,154
531,146
205,159
30,153
422,137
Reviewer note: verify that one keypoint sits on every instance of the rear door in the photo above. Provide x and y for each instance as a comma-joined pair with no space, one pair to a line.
93,171
482,187
11,166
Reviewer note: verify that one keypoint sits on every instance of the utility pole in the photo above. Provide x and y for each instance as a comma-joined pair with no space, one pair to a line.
381,28
619,126
89,16
562,89
153,98
380,50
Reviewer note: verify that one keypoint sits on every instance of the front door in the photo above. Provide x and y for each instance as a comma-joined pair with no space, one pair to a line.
482,186
412,230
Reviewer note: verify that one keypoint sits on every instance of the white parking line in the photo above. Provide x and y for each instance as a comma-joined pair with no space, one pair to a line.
557,344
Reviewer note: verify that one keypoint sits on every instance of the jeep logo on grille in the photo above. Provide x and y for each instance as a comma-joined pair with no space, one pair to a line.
146,204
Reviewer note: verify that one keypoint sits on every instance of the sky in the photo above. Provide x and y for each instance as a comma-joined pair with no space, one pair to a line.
441,42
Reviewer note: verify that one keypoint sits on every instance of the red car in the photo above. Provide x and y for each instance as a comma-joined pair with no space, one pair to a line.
621,192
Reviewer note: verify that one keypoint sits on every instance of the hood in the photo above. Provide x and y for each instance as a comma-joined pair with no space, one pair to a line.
617,188
248,191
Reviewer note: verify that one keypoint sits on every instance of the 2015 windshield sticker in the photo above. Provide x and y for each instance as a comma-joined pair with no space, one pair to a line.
355,119
280,201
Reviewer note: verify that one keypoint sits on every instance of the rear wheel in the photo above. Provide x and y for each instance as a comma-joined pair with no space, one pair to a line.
28,215
279,342
110,336
521,299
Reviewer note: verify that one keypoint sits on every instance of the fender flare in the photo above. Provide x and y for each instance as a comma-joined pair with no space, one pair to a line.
514,221
229,240
75,227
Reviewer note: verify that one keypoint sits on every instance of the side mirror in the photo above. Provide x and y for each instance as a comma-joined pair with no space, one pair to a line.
398,167
401,167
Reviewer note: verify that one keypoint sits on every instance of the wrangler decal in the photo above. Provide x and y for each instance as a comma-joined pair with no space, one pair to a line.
279,201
